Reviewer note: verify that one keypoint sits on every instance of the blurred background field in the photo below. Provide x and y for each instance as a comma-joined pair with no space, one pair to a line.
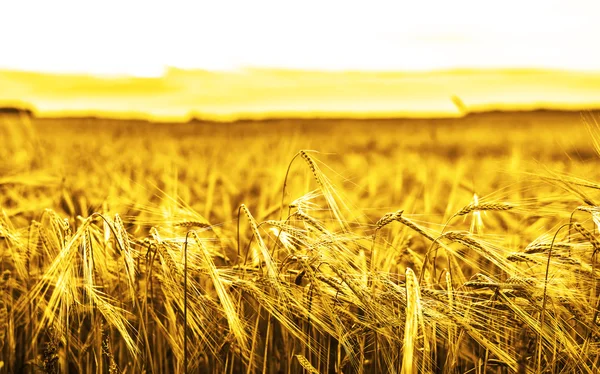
213,167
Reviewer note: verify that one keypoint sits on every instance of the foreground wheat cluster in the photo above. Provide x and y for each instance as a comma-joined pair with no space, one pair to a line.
312,288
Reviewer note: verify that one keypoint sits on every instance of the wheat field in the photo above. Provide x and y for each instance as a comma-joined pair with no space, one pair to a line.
461,245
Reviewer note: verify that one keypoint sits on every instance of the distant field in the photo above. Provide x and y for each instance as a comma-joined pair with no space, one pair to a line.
307,273
125,162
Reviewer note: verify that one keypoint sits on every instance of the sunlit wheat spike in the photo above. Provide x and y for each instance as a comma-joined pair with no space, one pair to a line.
169,264
336,284
271,268
484,207
519,257
397,216
588,209
344,312
121,233
522,281
568,260
196,224
414,321
303,361
88,263
480,281
388,218
464,238
312,166
311,221
540,247
330,194
588,235
293,231
251,220
290,236
304,202
125,246
512,283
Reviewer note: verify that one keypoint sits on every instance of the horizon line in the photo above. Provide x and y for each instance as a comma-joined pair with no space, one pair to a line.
281,116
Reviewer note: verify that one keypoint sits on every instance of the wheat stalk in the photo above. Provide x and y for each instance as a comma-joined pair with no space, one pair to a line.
306,364
397,216
484,207
587,235
189,224
311,221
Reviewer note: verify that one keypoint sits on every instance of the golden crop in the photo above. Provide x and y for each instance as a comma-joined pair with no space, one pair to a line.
458,245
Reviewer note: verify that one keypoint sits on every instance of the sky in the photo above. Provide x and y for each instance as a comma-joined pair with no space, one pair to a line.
146,39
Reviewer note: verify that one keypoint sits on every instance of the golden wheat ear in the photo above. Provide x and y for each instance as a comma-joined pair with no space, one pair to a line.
324,185
416,343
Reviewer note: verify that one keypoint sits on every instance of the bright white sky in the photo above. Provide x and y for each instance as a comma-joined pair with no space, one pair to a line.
142,37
